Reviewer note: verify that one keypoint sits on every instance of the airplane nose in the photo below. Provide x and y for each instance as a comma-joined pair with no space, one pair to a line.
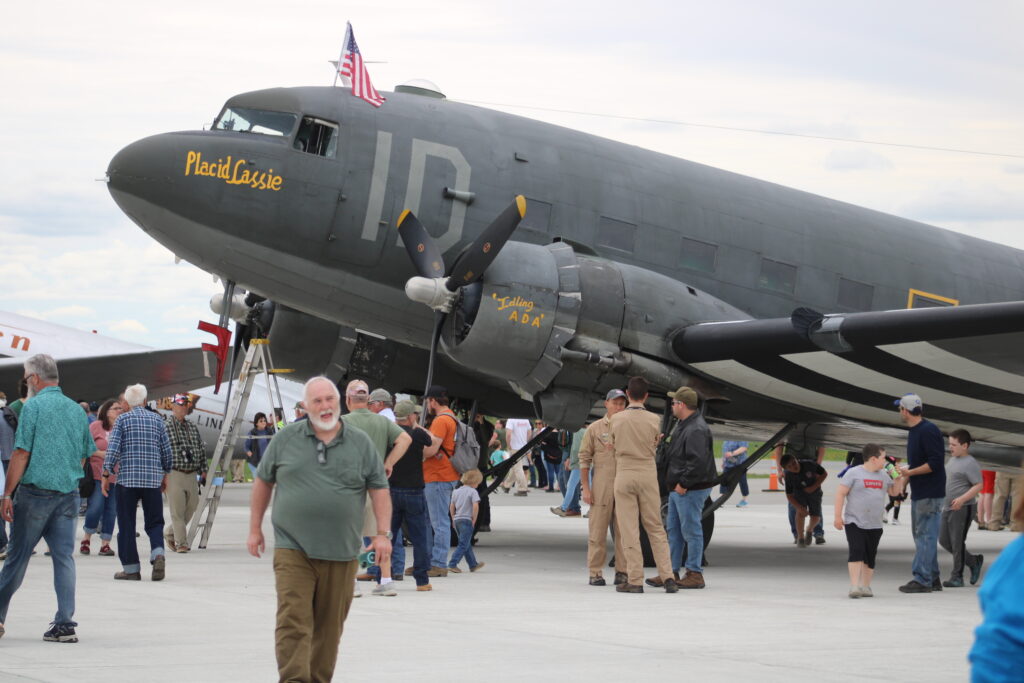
136,168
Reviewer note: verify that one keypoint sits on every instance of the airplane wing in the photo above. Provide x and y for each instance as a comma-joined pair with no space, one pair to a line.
99,377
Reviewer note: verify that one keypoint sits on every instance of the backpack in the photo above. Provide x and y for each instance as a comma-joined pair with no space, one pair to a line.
11,417
467,451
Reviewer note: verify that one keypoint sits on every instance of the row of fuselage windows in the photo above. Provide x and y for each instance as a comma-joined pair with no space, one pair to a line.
775,276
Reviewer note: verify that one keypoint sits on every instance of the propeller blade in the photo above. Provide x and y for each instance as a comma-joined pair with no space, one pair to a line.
472,263
435,337
420,246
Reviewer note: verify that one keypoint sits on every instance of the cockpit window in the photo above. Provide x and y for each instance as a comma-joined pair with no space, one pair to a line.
257,121
317,136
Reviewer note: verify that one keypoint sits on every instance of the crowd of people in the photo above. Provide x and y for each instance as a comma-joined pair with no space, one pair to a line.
351,486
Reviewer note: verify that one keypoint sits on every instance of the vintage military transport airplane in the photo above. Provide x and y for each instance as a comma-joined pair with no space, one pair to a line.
575,262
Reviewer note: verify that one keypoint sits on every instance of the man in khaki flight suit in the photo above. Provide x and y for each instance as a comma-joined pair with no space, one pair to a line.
635,434
597,453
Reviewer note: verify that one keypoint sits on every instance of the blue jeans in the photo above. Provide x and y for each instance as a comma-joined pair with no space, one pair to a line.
410,506
571,499
153,517
101,511
3,524
464,527
51,516
744,488
439,498
684,528
926,515
552,472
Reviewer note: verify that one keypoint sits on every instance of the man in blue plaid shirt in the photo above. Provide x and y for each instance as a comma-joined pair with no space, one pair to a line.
139,444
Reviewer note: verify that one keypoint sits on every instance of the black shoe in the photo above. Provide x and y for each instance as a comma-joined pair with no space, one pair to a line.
976,569
620,578
484,528
670,586
953,583
398,577
629,588
598,581
936,585
819,540
61,633
915,587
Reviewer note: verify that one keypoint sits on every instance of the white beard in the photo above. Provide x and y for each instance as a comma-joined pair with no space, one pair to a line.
322,425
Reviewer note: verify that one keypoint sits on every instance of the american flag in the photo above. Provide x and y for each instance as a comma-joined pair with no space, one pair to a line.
352,68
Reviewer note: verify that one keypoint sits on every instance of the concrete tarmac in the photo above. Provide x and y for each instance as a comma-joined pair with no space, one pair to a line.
770,612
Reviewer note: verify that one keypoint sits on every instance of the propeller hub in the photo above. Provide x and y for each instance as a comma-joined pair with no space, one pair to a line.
431,291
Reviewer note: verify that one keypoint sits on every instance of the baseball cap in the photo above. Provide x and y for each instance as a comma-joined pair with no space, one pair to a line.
436,391
614,394
909,402
684,395
357,387
381,395
181,399
404,409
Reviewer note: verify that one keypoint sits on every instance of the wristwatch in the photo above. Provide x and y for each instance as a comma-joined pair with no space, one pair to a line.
385,534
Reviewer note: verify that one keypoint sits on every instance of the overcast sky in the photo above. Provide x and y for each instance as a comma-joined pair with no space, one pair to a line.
82,80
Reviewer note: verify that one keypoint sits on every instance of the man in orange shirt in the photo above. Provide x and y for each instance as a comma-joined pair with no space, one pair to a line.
440,477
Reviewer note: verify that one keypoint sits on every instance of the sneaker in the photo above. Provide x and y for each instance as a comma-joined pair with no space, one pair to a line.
620,578
598,581
357,594
424,588
915,587
819,540
61,633
692,580
454,570
158,568
801,543
854,593
84,548
128,576
742,504
437,571
628,588
386,590
936,585
865,592
478,567
557,511
670,586
976,569
953,583
105,550
895,521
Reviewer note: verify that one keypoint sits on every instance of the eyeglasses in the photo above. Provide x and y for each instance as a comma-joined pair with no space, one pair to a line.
321,452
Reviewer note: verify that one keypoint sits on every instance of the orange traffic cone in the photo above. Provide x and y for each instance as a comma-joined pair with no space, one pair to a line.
773,480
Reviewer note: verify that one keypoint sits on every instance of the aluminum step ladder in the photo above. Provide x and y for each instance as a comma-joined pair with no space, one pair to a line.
257,361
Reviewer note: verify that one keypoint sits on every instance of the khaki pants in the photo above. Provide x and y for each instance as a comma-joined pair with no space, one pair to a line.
182,499
313,598
238,470
1005,488
602,517
637,500
517,475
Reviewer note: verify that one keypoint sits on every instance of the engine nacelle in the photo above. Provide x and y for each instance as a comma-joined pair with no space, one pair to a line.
308,345
562,328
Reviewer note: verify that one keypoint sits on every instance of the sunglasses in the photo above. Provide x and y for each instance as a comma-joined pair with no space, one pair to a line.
321,452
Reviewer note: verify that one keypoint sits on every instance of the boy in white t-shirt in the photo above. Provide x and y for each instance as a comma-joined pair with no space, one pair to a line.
864,490
464,508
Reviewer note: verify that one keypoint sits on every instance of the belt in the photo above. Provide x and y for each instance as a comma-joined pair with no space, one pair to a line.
185,471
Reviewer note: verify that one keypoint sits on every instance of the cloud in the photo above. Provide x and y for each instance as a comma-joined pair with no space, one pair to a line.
855,160
968,202
129,326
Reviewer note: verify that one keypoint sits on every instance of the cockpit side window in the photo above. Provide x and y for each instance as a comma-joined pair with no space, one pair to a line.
317,136
259,121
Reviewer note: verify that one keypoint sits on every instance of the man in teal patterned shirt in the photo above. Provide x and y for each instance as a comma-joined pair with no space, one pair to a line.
50,448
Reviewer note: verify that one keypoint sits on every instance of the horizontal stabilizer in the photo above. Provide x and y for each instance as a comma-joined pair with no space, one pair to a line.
807,330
